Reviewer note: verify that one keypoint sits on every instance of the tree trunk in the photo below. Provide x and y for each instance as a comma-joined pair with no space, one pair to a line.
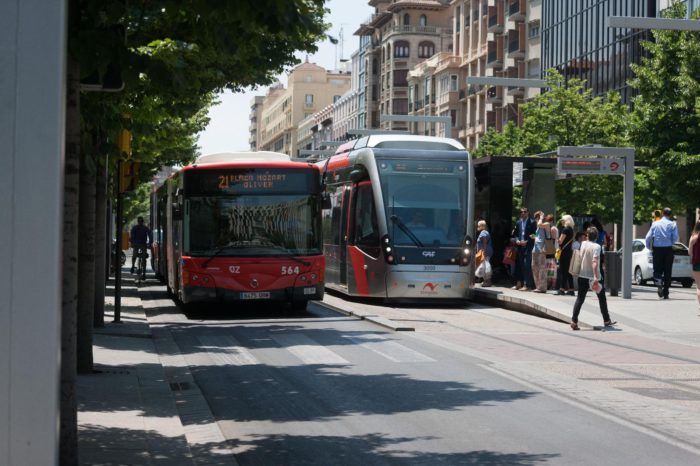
101,246
86,263
68,454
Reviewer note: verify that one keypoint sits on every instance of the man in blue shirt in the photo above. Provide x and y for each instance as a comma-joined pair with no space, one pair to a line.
140,239
660,239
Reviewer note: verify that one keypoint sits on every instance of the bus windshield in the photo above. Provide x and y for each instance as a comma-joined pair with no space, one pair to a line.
425,201
257,225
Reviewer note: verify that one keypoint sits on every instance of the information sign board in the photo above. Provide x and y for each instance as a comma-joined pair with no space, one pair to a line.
569,165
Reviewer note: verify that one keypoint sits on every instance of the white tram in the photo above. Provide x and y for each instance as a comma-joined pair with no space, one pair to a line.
400,218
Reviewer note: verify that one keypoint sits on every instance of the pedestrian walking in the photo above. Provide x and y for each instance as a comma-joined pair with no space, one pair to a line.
483,243
566,239
539,259
590,278
522,238
660,238
694,247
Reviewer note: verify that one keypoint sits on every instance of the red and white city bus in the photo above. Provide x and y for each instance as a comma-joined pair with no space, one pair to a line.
400,217
240,227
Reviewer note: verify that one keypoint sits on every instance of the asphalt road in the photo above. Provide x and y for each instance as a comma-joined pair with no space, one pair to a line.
470,386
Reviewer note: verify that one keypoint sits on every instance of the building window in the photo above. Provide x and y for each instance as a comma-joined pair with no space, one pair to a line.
426,49
400,78
453,83
423,20
401,49
309,100
336,98
406,19
534,30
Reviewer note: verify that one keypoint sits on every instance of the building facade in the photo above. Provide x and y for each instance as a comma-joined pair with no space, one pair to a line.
310,89
256,106
402,33
576,41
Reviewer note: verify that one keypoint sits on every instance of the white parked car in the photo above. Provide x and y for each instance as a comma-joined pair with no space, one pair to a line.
643,269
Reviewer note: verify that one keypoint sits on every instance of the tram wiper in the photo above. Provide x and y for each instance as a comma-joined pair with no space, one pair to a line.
395,218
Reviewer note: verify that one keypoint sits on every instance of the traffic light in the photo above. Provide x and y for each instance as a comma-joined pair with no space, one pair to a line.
124,143
128,175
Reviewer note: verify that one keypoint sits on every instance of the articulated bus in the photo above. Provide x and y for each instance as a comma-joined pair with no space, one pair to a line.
240,227
400,217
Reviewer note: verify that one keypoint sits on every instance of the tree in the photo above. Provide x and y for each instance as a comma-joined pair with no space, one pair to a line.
666,116
568,115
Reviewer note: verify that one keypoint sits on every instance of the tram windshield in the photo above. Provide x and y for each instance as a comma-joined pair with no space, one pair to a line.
252,225
425,201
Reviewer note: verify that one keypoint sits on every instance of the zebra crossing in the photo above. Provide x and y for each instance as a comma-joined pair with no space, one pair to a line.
226,350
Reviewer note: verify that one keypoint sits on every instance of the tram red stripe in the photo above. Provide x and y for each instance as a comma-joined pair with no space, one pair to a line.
357,260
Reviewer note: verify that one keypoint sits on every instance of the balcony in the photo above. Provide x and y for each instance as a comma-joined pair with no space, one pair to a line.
472,90
517,10
494,95
417,105
493,60
495,25
462,94
515,49
410,29
516,91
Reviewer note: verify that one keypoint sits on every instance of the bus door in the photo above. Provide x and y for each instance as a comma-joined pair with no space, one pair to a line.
365,265
344,212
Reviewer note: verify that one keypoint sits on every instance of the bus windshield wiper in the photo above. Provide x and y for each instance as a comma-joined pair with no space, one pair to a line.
405,229
216,252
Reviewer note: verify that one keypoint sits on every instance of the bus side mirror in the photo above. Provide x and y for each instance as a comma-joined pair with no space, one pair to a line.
177,211
325,201
358,174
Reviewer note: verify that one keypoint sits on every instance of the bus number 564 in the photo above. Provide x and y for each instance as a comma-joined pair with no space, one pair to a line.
290,270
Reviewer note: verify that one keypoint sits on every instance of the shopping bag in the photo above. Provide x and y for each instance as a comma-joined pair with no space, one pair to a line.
575,267
551,274
479,258
484,270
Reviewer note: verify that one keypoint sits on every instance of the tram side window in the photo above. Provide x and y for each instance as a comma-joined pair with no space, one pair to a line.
335,226
366,230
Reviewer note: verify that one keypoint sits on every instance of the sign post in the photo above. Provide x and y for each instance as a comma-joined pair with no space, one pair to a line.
592,160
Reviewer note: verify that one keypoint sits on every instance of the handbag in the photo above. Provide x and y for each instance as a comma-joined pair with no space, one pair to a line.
557,255
479,258
509,255
549,247
575,266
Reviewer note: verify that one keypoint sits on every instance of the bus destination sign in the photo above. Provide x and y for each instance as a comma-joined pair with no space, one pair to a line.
590,166
242,181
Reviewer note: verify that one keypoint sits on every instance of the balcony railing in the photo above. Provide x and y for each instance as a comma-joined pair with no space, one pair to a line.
407,28
492,56
493,20
513,46
514,8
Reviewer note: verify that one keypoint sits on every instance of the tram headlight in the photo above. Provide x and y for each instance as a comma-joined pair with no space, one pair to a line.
467,251
388,249
390,259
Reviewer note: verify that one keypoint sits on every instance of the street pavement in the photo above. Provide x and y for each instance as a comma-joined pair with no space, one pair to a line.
134,409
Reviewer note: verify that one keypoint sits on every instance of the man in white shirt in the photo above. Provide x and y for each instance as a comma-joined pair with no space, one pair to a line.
589,277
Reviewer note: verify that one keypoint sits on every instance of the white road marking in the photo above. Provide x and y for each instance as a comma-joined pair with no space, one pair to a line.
307,350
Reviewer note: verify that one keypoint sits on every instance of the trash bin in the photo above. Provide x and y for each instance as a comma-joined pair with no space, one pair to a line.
613,272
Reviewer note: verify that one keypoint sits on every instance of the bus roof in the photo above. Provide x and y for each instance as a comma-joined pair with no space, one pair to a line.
226,157
408,141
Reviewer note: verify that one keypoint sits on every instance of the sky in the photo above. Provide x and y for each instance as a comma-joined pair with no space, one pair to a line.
228,129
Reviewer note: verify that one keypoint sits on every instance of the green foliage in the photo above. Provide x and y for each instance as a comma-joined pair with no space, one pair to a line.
666,117
495,143
137,204
173,57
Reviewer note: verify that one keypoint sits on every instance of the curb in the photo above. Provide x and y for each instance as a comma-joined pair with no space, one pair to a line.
496,298
370,317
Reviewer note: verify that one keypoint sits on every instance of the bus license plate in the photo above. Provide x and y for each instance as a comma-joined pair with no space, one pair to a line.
255,295
310,290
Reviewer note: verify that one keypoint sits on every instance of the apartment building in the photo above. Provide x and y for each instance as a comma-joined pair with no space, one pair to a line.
310,89
256,105
577,42
401,34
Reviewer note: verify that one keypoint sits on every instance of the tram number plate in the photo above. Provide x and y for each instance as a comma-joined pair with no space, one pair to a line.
255,295
310,290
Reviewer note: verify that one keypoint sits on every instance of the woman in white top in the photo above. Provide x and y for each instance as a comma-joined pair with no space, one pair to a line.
589,277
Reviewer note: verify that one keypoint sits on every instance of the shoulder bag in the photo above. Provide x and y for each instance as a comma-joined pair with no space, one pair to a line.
549,246
575,266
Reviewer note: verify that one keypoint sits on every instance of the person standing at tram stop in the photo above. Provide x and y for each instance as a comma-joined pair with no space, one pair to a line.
140,237
660,238
590,278
521,237
539,260
694,248
566,239
483,242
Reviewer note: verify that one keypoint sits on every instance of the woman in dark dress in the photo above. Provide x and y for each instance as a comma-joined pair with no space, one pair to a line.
566,239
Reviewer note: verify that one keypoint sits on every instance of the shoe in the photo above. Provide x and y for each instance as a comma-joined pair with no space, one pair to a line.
610,323
132,270
524,288
560,293
574,326
538,291
485,284
665,296
571,293
143,277
660,291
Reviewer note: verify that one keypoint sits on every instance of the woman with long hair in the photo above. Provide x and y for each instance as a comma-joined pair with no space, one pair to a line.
539,260
566,240
694,249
